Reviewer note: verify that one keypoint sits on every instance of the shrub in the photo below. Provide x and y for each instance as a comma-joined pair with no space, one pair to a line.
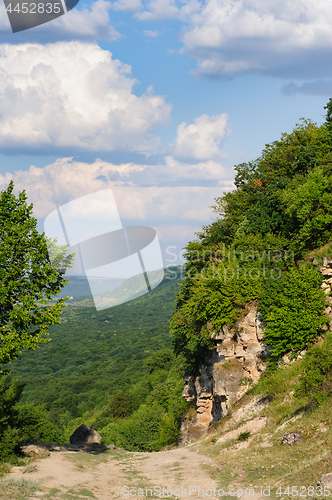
316,379
292,308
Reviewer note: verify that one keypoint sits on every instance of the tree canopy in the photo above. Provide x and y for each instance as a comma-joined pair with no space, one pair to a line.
28,282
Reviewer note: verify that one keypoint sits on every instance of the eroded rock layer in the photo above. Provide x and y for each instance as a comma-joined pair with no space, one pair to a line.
223,379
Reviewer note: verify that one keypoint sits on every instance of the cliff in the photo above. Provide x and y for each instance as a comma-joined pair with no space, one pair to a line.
227,371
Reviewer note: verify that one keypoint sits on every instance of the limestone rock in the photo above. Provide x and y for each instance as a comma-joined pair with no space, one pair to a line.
223,377
84,435
291,438
110,447
326,481
327,262
34,451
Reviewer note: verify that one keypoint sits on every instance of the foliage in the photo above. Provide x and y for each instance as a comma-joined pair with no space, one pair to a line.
103,368
316,379
21,423
27,279
94,355
157,420
121,406
292,308
58,255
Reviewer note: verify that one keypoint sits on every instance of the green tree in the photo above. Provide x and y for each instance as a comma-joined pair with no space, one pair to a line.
28,282
293,309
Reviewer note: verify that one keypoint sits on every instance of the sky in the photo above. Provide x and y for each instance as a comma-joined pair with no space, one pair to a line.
156,100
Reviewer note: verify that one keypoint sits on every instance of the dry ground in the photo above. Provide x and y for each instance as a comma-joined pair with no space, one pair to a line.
238,458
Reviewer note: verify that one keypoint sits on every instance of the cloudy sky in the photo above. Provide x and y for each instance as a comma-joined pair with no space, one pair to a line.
157,100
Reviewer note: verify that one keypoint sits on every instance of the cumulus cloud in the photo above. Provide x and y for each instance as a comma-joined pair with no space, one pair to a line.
74,95
232,37
81,23
140,191
203,138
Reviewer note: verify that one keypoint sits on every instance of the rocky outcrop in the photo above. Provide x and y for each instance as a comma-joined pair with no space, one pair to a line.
227,370
326,271
223,379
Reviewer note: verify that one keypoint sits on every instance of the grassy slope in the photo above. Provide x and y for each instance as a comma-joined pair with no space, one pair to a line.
94,354
262,460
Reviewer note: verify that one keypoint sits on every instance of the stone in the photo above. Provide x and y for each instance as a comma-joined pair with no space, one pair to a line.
291,438
84,435
326,481
110,447
33,450
327,262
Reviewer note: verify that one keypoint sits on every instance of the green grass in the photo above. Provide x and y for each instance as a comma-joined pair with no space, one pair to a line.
17,488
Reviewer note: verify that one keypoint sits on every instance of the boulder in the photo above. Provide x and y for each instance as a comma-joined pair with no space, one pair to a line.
84,435
111,447
291,438
34,451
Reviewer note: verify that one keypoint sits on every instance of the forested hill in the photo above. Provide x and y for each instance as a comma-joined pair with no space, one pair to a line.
262,247
93,355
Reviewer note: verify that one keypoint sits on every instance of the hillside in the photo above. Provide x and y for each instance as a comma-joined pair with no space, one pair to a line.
95,354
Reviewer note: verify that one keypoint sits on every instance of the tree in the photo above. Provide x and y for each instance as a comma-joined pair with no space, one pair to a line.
28,282
328,107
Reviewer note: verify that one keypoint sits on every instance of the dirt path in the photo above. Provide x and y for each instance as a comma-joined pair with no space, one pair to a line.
118,474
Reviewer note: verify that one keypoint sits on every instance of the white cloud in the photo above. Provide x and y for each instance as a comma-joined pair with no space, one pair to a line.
74,95
229,37
203,138
157,10
245,35
148,197
87,23
127,5
82,23
151,34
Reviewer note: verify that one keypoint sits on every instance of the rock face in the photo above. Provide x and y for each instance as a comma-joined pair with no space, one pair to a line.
84,435
237,359
326,271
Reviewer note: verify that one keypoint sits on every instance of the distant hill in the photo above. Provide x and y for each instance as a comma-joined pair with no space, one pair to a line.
78,286
95,354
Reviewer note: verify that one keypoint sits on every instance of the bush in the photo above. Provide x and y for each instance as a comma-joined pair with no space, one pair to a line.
21,423
121,406
34,425
292,308
316,380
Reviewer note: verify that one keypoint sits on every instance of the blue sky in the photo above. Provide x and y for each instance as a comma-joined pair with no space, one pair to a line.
157,100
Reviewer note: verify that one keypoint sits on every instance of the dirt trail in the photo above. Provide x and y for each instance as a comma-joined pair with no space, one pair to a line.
119,474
